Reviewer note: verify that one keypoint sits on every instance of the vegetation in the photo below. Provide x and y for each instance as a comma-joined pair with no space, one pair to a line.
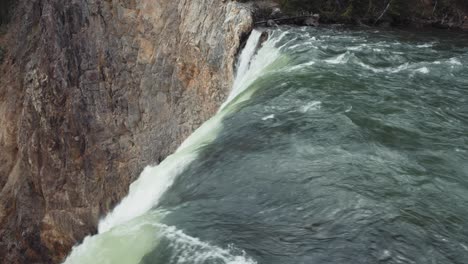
373,11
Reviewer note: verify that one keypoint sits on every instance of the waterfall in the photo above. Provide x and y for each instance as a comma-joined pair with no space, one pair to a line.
244,63
145,192
252,63
132,218
333,146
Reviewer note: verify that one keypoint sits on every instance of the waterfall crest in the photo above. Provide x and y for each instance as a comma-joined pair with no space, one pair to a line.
132,218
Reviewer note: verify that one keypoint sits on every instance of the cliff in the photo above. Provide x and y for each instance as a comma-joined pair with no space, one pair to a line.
91,91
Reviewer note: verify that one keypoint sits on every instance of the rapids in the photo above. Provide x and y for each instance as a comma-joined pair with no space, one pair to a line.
334,146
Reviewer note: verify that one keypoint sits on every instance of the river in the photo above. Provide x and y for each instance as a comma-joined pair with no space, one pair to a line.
336,145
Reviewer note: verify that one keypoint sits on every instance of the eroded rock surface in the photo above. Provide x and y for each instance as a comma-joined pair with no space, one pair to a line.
91,91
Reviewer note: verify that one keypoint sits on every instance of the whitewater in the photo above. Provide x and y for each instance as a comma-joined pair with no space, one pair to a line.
119,234
334,146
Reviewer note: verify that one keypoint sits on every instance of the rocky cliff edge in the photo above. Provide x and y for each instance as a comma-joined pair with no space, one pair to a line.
91,91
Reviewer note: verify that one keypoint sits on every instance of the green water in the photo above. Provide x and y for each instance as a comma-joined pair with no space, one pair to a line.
351,146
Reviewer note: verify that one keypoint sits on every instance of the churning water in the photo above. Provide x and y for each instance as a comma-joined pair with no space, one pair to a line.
335,146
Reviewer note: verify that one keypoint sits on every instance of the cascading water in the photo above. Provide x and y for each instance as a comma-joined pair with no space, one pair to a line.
334,146
146,191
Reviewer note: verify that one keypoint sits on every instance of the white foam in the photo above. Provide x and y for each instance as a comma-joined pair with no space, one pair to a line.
357,48
244,62
296,46
268,117
423,70
302,45
252,64
154,181
400,68
300,66
129,243
455,61
190,250
146,191
460,150
314,105
425,45
397,69
110,245
464,246
340,59
277,39
125,244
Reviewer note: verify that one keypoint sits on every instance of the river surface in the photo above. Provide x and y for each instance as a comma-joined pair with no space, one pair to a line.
335,146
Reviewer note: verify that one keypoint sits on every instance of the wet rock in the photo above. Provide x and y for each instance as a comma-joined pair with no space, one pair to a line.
465,23
276,13
312,21
265,10
263,37
271,23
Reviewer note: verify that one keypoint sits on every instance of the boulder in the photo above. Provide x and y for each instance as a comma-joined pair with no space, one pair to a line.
312,21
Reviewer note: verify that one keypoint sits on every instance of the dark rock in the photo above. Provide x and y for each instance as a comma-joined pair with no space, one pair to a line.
465,23
271,23
276,13
267,9
263,37
312,21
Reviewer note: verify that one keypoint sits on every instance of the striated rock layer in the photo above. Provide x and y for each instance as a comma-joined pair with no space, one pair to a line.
91,91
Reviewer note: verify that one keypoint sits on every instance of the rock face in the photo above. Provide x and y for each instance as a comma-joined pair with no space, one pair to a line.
91,91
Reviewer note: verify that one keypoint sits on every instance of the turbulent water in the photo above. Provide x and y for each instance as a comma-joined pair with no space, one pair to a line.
335,146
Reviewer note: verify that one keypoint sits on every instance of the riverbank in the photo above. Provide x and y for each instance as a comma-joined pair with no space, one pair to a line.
447,14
